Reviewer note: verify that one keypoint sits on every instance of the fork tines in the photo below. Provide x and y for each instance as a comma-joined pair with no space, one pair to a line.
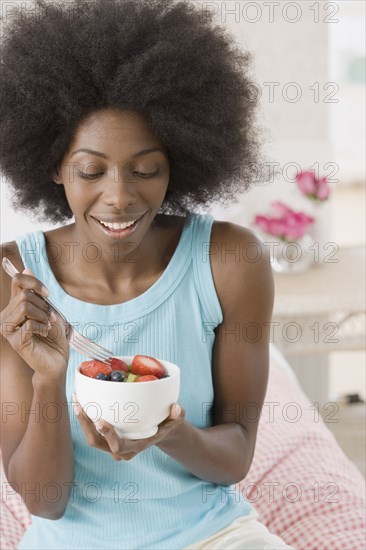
90,349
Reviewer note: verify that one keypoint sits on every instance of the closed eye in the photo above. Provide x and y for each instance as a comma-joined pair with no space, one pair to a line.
89,176
95,176
151,175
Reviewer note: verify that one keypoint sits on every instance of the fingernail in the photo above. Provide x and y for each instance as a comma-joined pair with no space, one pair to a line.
45,291
77,408
53,316
98,424
177,409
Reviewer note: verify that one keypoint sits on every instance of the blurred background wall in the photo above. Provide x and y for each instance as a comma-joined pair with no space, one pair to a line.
290,52
309,65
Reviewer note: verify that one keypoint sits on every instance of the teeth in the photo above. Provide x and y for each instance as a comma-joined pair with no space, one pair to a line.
117,225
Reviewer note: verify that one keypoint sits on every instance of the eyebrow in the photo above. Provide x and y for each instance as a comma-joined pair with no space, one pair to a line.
103,155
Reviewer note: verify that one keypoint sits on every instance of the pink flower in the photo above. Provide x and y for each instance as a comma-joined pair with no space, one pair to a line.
281,208
287,225
311,187
306,182
323,189
264,223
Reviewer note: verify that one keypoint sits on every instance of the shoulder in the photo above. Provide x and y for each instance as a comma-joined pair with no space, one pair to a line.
223,232
234,246
240,264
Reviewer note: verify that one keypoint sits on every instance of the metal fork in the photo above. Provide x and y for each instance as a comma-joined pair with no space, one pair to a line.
76,340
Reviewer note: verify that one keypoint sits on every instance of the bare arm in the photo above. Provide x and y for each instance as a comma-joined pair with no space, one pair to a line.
223,453
37,449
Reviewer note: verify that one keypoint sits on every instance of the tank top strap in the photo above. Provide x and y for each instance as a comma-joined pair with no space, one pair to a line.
201,248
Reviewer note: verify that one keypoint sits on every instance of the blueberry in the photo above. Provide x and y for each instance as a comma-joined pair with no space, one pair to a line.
117,376
102,376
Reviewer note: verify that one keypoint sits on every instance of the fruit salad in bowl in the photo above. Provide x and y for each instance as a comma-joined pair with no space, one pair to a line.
134,394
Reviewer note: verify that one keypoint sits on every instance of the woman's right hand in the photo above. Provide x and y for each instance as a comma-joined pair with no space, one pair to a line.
32,329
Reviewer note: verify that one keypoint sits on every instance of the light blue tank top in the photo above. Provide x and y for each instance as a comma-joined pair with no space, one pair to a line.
151,501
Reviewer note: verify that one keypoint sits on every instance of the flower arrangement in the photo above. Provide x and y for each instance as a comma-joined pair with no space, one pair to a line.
313,188
297,232
287,224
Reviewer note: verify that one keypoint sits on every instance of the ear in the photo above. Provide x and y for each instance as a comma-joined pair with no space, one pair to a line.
57,177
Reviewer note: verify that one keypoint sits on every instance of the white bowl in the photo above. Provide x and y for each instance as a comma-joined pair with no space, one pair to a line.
135,409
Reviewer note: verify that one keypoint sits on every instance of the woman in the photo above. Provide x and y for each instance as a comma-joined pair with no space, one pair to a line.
113,113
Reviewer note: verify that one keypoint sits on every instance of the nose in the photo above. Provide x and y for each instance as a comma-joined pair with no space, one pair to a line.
120,191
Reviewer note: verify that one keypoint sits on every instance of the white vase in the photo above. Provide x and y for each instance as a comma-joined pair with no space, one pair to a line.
292,256
321,231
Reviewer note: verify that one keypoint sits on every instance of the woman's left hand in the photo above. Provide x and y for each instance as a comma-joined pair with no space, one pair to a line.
101,435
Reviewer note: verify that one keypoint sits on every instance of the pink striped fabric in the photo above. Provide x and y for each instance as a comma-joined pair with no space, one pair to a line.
304,488
14,516
301,483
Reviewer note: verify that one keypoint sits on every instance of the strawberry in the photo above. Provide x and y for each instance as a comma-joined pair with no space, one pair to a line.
143,364
118,364
146,378
92,368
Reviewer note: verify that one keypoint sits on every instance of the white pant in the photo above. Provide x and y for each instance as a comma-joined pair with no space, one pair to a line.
244,533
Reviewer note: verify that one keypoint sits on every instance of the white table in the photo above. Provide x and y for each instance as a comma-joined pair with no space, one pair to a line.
318,311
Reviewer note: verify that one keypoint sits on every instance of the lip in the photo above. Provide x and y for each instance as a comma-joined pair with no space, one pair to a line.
119,233
118,220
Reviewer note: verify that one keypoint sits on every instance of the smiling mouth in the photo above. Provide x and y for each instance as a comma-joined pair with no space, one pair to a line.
118,226
117,229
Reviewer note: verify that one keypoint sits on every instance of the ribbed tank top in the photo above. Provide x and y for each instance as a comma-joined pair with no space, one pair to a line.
151,501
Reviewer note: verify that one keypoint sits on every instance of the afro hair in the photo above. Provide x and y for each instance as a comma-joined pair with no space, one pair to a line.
163,58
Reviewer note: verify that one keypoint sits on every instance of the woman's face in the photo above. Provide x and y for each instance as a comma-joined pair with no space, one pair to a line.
111,176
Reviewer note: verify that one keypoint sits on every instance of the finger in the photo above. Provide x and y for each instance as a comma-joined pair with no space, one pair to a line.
92,436
175,411
31,328
27,310
172,421
116,457
124,448
27,295
28,281
127,457
27,305
116,444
